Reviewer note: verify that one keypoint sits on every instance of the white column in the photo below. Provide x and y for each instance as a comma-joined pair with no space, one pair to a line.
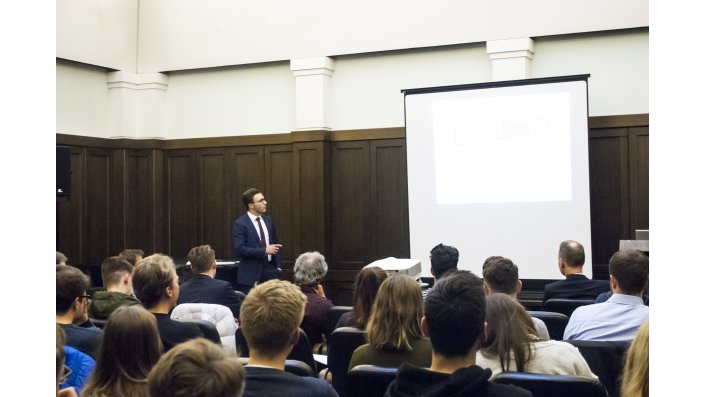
511,58
313,92
136,104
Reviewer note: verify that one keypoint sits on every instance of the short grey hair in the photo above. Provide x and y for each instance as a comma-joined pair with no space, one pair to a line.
310,268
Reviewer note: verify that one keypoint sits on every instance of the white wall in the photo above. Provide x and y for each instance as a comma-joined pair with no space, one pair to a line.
81,100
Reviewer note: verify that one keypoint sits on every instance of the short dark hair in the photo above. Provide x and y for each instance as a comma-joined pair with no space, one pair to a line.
455,313
71,283
131,254
113,268
151,277
443,259
201,258
631,269
572,252
248,196
501,274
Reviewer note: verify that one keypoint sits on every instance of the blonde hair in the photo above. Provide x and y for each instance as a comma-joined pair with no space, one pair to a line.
396,314
635,379
151,277
270,314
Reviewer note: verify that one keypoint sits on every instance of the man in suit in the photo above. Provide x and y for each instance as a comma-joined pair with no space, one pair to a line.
571,258
202,287
255,241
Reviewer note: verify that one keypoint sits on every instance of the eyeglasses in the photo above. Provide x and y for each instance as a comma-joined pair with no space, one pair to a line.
84,297
66,372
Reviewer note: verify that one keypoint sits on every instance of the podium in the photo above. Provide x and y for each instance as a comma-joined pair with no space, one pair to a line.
639,245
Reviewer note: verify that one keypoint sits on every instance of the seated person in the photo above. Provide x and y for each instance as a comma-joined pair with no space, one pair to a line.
73,367
619,318
269,318
603,297
571,258
394,327
202,287
117,279
72,308
309,270
444,259
635,379
197,368
365,290
132,255
156,285
454,320
61,259
512,344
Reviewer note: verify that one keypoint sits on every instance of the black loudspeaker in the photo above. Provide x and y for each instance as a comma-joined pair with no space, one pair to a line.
63,171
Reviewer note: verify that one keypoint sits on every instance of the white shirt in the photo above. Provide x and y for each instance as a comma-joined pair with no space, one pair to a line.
253,218
617,319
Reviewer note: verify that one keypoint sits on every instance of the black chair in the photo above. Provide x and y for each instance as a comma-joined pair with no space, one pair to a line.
332,317
301,351
565,306
295,367
209,330
555,322
98,322
369,380
606,360
343,342
542,385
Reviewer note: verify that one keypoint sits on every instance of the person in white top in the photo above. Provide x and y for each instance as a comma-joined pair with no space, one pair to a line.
512,345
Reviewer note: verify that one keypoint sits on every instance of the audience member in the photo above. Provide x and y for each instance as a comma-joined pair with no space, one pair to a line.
444,259
309,270
571,258
130,348
365,290
635,378
619,318
61,259
197,368
71,308
394,327
63,372
501,275
603,297
269,318
512,344
132,255
117,279
202,287
455,321
156,285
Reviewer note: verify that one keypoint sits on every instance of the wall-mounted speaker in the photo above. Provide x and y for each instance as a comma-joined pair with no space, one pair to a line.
63,171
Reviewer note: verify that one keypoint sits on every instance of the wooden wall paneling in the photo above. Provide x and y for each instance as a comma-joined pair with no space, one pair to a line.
246,167
140,209
97,197
117,195
311,192
639,179
158,200
181,176
278,190
213,197
70,212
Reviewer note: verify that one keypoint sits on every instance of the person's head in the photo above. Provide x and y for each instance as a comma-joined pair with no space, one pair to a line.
444,258
154,280
310,268
254,201
61,259
510,332
396,314
71,291
501,275
202,259
130,347
117,274
132,255
365,291
571,257
270,316
454,314
629,272
635,379
197,368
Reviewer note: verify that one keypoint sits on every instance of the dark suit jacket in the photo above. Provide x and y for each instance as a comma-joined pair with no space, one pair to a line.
575,286
200,288
249,250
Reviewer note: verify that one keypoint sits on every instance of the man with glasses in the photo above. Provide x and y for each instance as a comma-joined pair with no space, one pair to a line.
71,309
256,244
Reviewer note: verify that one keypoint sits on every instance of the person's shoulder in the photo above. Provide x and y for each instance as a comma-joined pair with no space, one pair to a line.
317,387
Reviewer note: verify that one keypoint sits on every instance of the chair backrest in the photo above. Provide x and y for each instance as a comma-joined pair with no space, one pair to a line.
332,317
555,322
542,385
209,330
565,306
606,360
302,351
295,367
343,342
369,380
218,315
98,322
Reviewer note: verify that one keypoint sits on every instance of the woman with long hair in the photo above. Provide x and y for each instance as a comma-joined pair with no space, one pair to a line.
512,344
394,327
365,291
635,378
130,347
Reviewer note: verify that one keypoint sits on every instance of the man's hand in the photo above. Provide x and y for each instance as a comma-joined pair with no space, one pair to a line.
273,249
319,291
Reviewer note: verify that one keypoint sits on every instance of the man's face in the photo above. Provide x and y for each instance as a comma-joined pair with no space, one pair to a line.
82,307
259,204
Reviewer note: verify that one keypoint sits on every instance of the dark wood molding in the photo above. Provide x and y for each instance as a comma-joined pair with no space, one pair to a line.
627,120
368,134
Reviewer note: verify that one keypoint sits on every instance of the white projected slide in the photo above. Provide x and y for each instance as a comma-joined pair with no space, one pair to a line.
499,171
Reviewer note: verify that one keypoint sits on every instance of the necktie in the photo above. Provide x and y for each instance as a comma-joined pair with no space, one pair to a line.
261,233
